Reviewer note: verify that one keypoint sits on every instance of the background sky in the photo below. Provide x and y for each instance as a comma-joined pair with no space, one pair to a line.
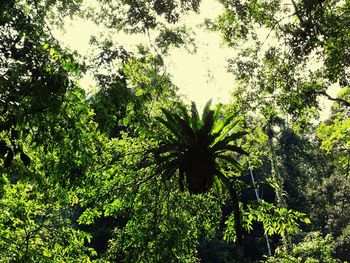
199,76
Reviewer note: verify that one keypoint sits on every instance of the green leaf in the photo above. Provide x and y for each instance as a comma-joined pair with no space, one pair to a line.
185,127
208,122
220,144
206,110
171,126
307,220
218,186
231,160
223,123
195,121
232,148
88,216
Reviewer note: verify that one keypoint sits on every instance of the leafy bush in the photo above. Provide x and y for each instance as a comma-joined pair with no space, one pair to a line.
342,245
313,249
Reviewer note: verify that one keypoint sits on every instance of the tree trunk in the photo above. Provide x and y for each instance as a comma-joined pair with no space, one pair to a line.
278,180
236,213
276,176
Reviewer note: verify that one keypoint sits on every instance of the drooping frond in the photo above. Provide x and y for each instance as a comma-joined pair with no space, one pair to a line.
169,148
218,186
217,112
169,123
231,160
169,172
232,148
167,169
160,160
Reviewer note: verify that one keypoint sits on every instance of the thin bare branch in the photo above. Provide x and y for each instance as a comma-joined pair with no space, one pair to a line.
340,100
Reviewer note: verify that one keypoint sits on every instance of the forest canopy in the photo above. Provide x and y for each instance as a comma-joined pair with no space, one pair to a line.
133,173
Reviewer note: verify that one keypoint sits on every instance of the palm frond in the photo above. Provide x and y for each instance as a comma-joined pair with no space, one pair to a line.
223,123
184,113
195,121
169,172
171,126
231,160
168,148
226,129
193,146
208,122
213,138
206,110
160,160
218,144
232,148
159,169
217,112
185,127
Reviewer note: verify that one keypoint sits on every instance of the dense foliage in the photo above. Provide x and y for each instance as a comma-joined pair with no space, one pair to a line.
130,173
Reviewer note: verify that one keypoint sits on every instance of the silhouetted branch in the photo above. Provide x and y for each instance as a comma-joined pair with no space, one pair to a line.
340,100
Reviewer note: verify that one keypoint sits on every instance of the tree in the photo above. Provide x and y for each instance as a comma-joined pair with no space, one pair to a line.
36,73
298,35
195,147
314,248
127,174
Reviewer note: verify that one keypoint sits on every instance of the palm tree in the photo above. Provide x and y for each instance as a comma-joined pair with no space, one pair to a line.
197,148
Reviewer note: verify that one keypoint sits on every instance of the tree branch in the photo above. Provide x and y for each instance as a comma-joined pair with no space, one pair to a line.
297,12
340,100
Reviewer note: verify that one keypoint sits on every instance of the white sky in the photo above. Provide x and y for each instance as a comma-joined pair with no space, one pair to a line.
200,76
203,76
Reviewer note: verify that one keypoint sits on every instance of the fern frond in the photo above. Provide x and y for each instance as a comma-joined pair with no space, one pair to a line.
232,161
195,121
223,123
232,148
218,144
206,110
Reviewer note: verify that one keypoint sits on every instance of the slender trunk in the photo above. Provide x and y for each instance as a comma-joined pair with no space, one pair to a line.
238,223
278,180
237,215
258,199
276,176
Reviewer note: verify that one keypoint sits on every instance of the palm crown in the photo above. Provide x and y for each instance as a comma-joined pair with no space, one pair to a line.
195,145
